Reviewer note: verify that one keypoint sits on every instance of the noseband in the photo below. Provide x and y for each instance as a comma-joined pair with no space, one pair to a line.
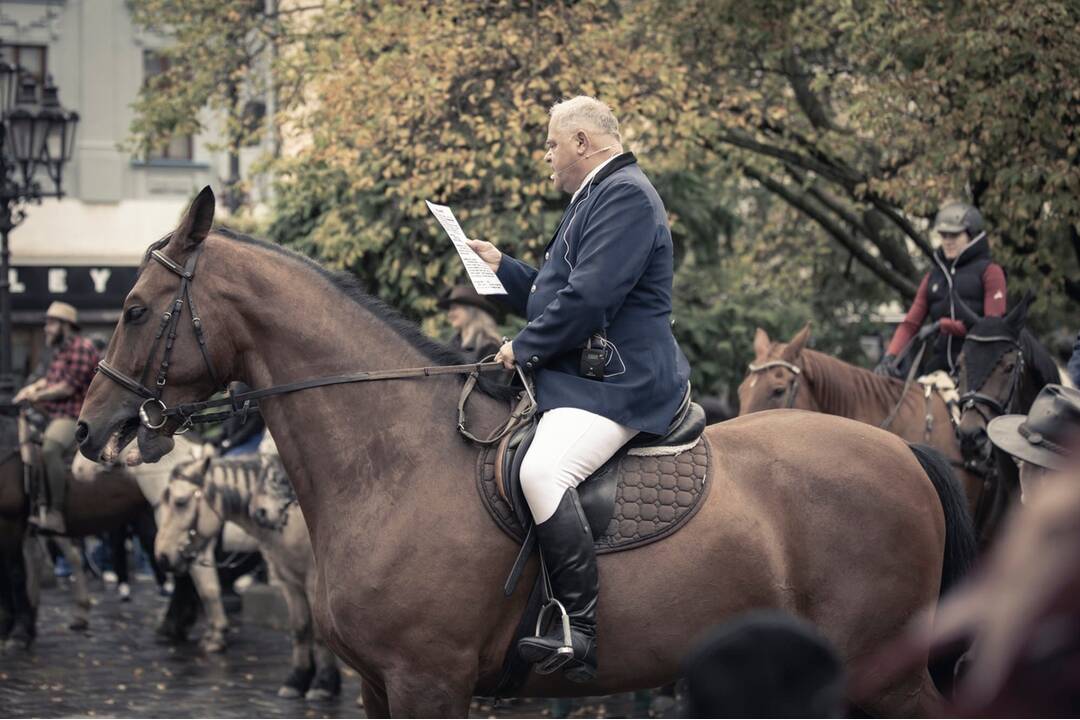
793,389
153,412
973,399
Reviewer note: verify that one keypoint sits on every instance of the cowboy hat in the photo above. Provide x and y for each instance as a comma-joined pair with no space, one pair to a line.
1044,436
467,295
63,311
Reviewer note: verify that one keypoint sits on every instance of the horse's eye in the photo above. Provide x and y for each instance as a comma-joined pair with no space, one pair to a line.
134,314
1009,367
181,502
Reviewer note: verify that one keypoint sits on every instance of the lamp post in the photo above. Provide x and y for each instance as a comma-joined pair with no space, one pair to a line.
37,137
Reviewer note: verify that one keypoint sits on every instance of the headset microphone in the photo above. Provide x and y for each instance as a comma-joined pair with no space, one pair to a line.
580,159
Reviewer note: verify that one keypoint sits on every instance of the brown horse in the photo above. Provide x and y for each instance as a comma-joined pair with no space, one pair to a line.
790,375
830,519
108,501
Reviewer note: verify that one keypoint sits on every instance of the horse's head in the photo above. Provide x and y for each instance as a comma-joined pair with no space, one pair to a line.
164,350
991,370
772,380
187,521
273,495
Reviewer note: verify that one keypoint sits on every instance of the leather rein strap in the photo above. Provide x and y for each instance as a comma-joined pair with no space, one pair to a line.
154,414
793,390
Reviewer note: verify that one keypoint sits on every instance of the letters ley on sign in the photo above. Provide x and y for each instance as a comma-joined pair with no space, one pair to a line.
33,287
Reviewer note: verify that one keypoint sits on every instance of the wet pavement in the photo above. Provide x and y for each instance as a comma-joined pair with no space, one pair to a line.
117,668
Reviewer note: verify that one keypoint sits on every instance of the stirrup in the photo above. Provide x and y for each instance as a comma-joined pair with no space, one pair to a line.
565,653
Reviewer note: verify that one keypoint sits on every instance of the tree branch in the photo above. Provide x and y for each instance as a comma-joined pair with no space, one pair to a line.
804,204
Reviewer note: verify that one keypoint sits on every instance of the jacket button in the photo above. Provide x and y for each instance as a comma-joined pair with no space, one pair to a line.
534,359
547,256
532,289
528,366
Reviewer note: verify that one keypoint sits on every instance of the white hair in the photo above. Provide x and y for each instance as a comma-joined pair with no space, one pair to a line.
587,113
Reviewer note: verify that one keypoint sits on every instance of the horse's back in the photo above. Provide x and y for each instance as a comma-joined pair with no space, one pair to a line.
104,502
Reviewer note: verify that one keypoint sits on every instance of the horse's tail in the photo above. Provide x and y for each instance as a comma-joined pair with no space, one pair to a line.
960,547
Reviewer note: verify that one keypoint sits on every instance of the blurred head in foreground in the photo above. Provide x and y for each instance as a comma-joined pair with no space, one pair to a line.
764,664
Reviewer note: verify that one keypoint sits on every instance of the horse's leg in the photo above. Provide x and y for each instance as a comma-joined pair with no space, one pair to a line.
81,617
444,691
146,532
327,683
373,696
301,634
204,573
182,612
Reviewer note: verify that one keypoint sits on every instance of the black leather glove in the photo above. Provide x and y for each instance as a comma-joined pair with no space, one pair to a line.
928,331
887,367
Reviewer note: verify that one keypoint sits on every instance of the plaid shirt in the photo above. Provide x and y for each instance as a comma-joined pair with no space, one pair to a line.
73,364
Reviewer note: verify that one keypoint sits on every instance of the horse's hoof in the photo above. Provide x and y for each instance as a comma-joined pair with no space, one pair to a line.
327,685
213,646
297,684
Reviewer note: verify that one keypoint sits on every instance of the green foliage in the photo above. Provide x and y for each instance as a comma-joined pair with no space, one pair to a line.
801,146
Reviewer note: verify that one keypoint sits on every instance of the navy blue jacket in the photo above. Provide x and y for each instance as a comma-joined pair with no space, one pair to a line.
608,267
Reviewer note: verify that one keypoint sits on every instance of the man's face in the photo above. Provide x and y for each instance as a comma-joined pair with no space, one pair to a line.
561,154
55,332
952,244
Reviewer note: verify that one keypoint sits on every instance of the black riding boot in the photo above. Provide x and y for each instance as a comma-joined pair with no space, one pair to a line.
567,547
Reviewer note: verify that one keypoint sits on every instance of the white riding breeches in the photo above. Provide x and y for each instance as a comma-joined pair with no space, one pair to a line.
569,445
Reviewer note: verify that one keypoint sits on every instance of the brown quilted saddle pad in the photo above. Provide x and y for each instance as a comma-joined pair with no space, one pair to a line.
655,495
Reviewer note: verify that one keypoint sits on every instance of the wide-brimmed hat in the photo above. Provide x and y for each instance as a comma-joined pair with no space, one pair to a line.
467,295
1045,436
958,217
63,311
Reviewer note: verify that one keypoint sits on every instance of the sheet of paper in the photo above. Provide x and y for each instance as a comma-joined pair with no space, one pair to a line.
483,278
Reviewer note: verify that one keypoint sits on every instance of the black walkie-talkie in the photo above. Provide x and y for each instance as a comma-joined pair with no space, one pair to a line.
594,357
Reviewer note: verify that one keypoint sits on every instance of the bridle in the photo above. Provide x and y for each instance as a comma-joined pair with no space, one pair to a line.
190,548
793,389
154,414
980,402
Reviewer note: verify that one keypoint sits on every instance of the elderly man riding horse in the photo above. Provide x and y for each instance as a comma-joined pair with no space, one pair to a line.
600,344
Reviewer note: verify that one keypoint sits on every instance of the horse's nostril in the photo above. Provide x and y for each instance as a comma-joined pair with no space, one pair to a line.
82,433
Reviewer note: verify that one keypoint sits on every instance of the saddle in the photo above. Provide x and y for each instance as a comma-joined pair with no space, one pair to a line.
645,492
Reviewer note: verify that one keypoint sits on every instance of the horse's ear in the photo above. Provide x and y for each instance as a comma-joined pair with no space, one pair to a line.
965,314
1016,317
798,343
196,223
761,344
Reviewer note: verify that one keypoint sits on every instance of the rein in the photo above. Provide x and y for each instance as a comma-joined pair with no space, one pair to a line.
154,414
793,389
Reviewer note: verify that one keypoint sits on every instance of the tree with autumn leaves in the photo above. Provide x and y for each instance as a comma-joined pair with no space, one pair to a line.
801,147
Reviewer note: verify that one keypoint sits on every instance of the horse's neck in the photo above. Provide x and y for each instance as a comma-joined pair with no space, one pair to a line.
839,388
370,445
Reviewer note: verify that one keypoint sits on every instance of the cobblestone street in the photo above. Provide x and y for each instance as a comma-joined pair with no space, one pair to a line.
118,669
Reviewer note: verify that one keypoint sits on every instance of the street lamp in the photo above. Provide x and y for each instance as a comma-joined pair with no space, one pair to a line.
35,135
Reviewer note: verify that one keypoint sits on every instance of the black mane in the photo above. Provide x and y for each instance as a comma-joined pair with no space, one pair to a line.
1040,360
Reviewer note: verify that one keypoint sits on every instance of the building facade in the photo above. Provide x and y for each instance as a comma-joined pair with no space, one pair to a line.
84,249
